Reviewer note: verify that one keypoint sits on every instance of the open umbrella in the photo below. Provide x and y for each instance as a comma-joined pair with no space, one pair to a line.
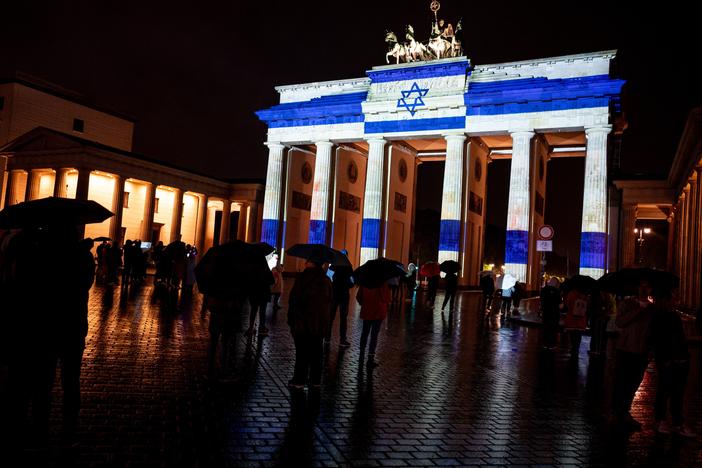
265,247
232,268
53,211
450,266
626,280
102,239
430,269
319,253
583,283
374,273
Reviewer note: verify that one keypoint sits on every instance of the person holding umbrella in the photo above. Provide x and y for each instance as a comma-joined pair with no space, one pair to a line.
431,270
341,284
308,317
374,296
450,267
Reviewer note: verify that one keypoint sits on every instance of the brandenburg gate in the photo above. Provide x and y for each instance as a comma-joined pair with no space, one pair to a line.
343,155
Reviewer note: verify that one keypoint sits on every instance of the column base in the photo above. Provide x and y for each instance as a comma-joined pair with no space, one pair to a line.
518,270
593,272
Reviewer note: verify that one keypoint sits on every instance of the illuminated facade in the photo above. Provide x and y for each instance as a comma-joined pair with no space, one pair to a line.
52,143
343,155
677,200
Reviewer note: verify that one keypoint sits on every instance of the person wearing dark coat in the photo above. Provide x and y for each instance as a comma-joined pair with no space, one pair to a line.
550,313
451,286
432,287
308,317
341,284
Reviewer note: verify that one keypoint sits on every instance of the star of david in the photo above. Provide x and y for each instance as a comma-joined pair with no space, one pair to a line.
418,101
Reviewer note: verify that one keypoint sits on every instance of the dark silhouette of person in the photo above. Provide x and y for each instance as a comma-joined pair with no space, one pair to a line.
341,284
451,286
487,286
550,313
128,263
432,287
308,318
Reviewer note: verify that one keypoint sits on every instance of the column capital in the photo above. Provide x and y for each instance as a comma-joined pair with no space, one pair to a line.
455,136
524,132
274,145
598,129
325,143
377,141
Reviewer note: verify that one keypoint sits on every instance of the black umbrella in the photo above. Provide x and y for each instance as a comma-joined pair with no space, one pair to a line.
53,211
626,280
265,248
319,253
450,266
175,250
374,273
232,268
102,238
582,283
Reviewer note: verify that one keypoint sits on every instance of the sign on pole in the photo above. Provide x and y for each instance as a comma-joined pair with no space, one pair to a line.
545,232
544,246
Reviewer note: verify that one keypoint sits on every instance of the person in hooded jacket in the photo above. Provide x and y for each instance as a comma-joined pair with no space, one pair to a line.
308,317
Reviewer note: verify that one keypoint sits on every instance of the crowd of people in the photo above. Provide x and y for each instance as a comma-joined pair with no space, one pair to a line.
319,298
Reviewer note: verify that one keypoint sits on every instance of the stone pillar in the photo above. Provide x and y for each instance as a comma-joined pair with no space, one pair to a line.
117,208
319,216
177,215
226,217
243,217
518,207
147,223
692,242
60,182
685,212
83,185
593,237
373,201
628,236
32,189
451,202
201,226
697,273
273,194
672,232
11,197
252,223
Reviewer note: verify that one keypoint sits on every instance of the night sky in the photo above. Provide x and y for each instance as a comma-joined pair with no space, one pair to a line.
192,74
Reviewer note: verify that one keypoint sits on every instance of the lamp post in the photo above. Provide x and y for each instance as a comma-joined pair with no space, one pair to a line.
640,240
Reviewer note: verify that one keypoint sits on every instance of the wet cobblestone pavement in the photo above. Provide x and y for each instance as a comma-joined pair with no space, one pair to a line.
449,390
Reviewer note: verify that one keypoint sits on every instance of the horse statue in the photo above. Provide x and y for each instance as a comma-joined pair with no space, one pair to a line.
456,43
416,51
394,48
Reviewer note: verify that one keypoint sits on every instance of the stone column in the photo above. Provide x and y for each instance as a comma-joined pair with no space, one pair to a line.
320,194
60,182
672,231
628,236
147,223
241,228
252,223
451,202
32,189
273,194
83,185
692,242
117,208
201,227
593,237
11,197
518,207
697,273
373,201
226,217
177,214
685,213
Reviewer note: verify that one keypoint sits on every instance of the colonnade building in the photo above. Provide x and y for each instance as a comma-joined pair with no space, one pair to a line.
54,143
343,156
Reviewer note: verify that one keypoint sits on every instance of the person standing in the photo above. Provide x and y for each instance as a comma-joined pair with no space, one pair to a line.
487,286
259,295
672,365
634,317
451,286
550,313
341,284
374,308
308,318
432,287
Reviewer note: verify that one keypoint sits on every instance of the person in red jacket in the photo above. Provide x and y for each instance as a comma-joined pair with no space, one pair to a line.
374,308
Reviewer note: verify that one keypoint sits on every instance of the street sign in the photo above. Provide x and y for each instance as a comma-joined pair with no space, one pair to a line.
544,246
545,232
